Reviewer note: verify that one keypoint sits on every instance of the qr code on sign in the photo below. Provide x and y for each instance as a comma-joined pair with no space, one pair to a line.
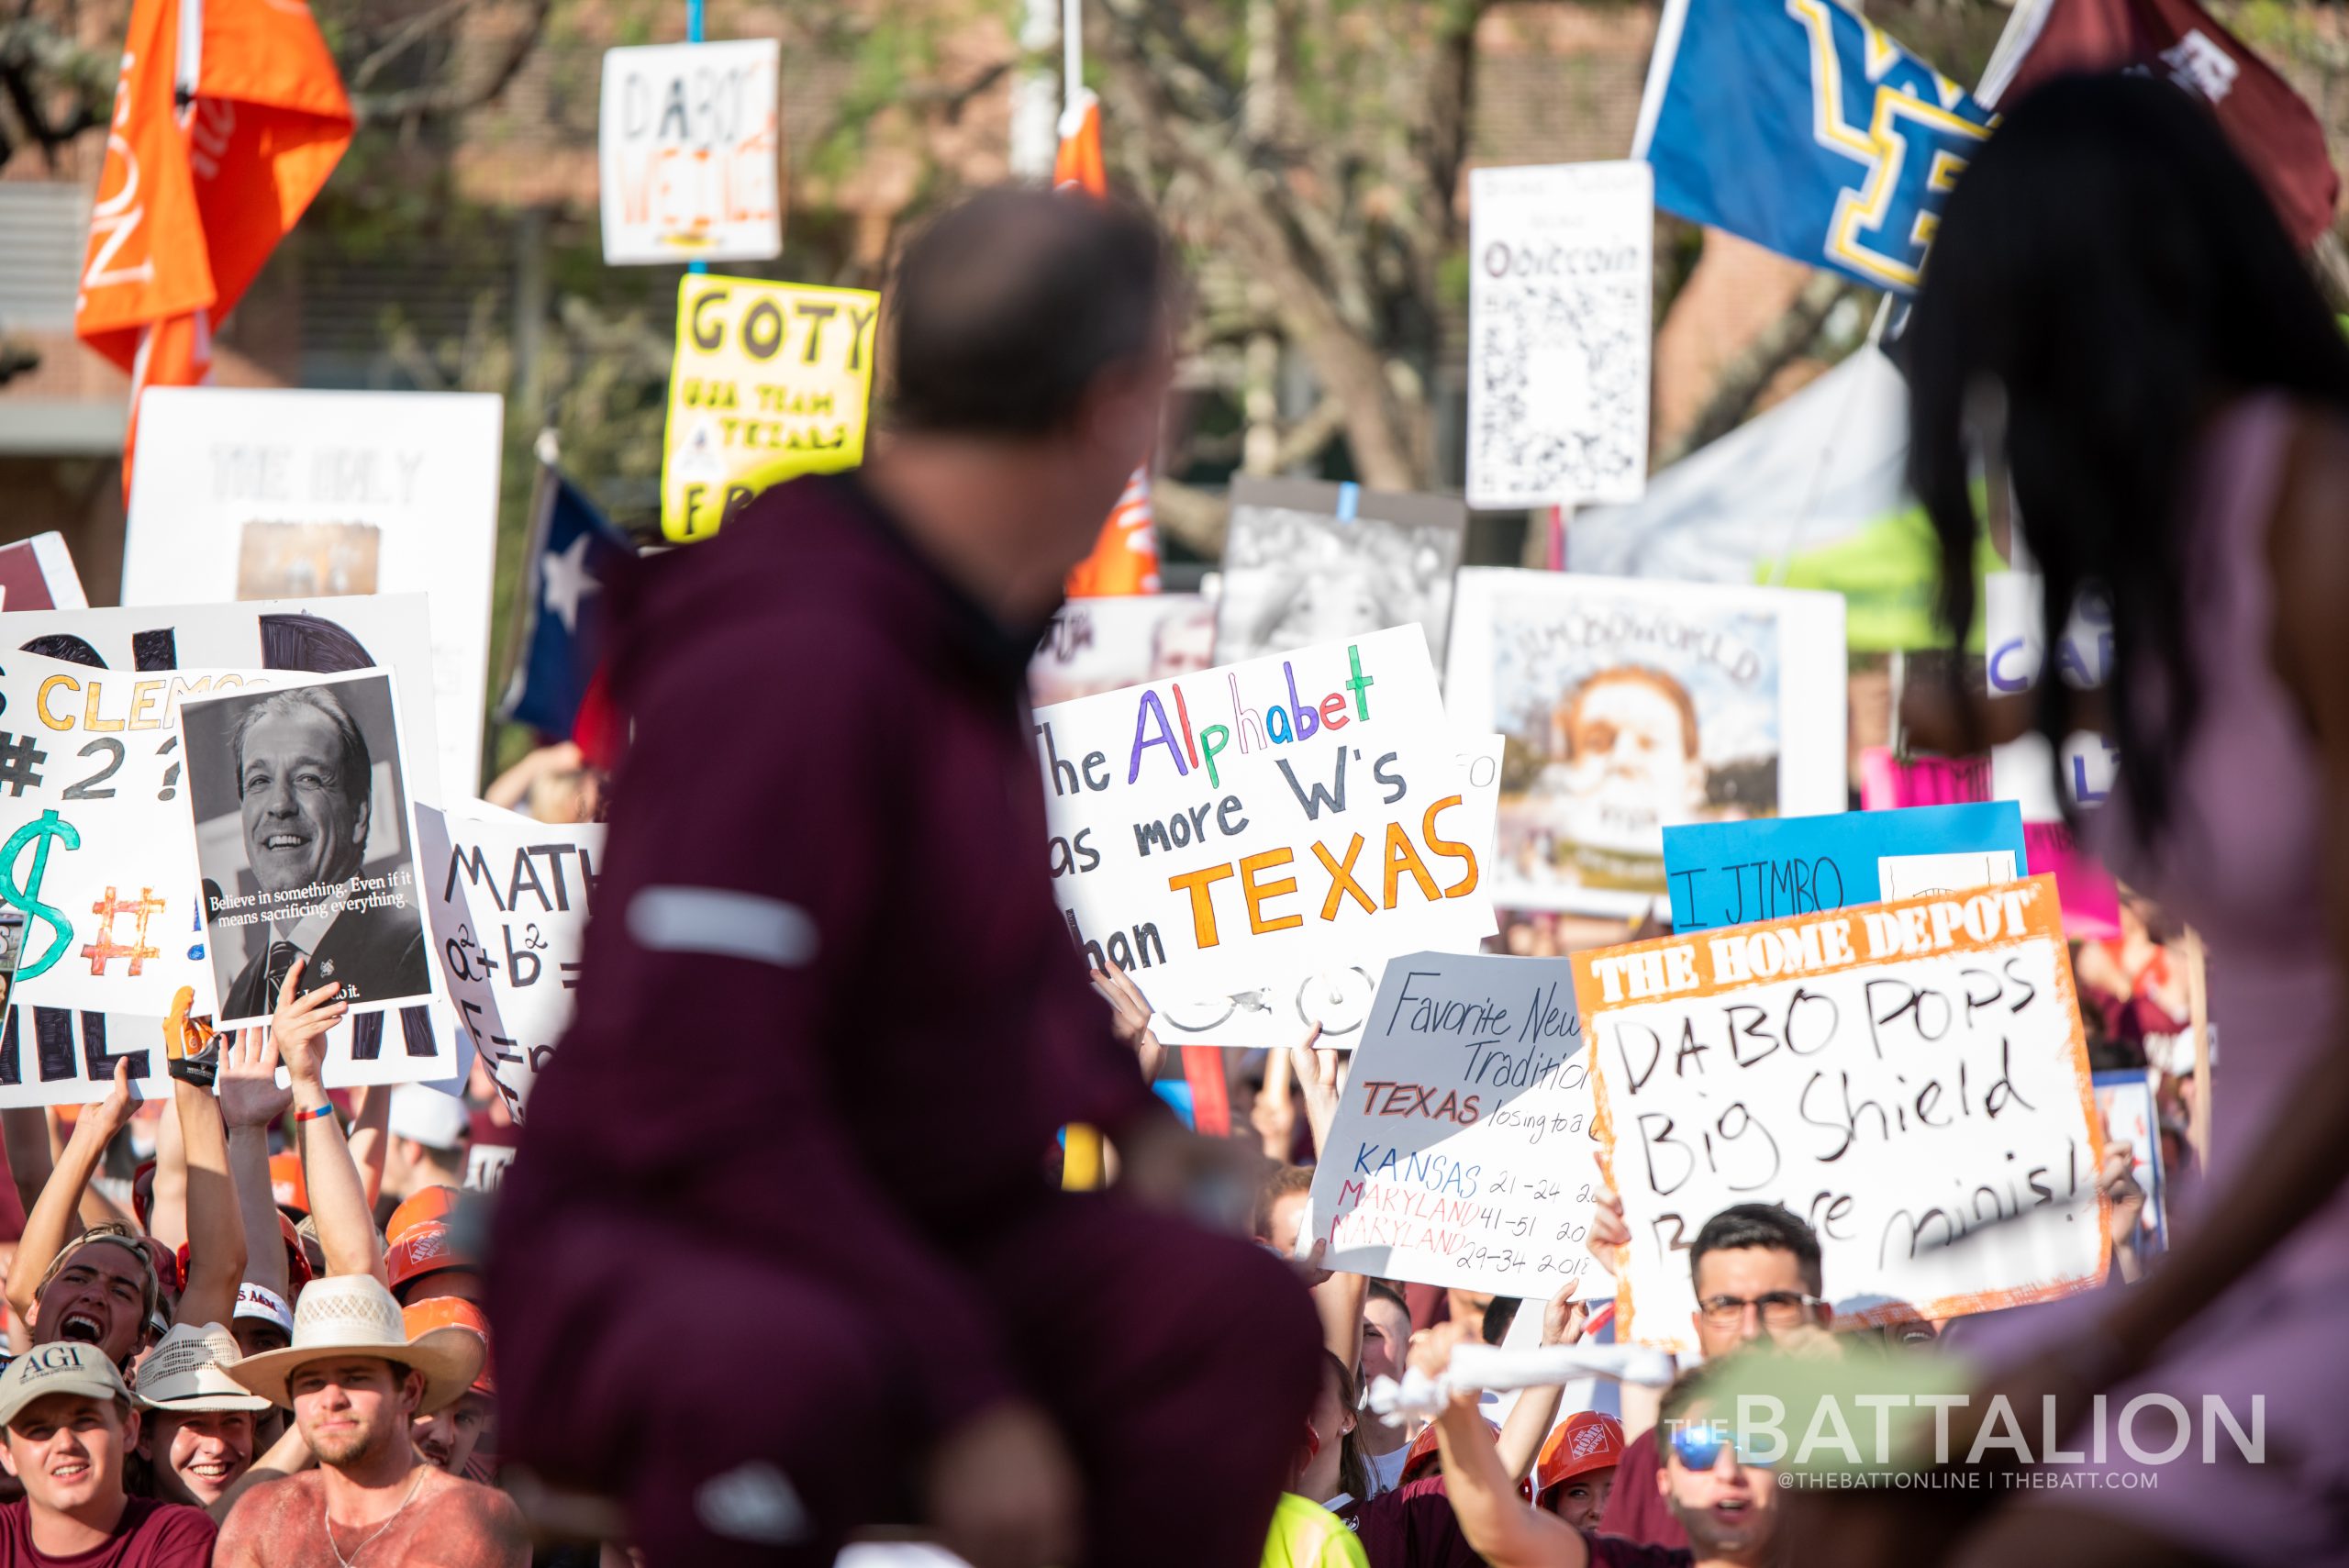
1558,399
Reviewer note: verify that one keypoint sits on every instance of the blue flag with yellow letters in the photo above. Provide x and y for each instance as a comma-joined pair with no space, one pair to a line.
1802,126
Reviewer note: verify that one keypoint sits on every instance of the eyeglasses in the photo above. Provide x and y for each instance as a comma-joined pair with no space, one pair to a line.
1699,1447
1778,1310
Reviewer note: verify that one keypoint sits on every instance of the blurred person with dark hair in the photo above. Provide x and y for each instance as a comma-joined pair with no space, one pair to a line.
2114,322
950,1339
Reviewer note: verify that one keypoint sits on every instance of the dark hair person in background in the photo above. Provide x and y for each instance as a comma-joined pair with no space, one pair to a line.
2114,310
1042,1377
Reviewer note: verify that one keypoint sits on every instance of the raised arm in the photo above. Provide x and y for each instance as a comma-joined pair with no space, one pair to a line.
1536,1409
370,1132
26,1131
52,1220
1506,1530
249,1102
338,1197
216,1231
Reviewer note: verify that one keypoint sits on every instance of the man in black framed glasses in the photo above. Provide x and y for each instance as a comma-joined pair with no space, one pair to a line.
1756,1269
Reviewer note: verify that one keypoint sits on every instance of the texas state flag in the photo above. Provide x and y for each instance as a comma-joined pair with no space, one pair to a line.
575,553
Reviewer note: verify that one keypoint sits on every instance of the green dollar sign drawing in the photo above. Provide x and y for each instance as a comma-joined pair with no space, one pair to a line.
26,894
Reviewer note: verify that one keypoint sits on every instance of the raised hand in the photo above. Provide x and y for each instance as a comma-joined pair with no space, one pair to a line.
1131,1011
248,1093
299,1030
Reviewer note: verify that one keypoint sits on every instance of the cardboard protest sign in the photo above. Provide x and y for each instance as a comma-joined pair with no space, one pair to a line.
38,574
1727,873
690,145
323,635
1630,707
1909,1078
510,899
246,494
1462,1154
1098,645
1277,816
96,867
2091,900
1307,562
1280,1011
770,381
304,840
1559,271
2131,1114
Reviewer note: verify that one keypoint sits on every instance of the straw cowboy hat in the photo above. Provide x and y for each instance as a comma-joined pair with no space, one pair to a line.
353,1315
189,1371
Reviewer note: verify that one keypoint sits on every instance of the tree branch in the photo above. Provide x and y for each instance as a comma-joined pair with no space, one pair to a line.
1189,515
455,97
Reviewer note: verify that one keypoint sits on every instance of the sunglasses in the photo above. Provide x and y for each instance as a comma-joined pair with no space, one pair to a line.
1700,1448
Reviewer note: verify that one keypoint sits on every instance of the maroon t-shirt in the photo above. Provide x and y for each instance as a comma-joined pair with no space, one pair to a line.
1614,1551
1634,1509
148,1535
1411,1527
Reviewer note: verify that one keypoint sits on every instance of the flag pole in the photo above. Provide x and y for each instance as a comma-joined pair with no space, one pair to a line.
1071,50
694,35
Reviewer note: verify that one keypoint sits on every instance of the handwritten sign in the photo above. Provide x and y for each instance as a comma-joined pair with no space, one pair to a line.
2091,900
689,143
1462,1151
771,380
1276,816
508,900
1909,1078
1727,873
1279,1012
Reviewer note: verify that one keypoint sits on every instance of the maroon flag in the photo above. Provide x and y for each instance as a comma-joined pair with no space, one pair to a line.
2273,130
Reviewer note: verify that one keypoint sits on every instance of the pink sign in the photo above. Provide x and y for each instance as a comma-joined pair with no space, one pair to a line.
2091,902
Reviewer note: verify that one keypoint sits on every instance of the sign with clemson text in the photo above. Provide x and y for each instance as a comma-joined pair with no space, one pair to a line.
1909,1078
771,380
1268,818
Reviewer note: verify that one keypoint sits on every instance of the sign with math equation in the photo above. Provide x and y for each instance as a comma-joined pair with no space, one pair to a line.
508,900
689,141
1909,1078
1272,817
1728,874
771,380
1463,1153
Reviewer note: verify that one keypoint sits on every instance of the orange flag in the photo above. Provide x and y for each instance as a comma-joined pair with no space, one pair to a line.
229,118
1125,558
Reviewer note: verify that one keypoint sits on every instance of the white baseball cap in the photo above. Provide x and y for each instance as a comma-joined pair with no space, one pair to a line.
427,1117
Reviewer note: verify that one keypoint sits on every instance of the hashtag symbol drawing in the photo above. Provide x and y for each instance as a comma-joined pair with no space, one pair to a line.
20,763
104,949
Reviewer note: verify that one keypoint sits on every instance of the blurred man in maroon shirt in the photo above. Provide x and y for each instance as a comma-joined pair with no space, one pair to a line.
779,1257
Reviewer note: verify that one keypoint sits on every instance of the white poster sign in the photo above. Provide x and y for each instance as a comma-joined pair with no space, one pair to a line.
1277,816
510,900
1630,707
1463,1153
1335,999
690,141
1560,268
258,494
1097,645
2017,646
1909,1078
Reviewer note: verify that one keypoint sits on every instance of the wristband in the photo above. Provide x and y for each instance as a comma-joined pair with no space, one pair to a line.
314,1113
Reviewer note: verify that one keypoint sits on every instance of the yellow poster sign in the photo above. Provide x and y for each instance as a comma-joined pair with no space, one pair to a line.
771,380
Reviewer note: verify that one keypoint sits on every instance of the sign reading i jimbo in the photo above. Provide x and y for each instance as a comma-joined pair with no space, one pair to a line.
1905,1077
1267,817
769,382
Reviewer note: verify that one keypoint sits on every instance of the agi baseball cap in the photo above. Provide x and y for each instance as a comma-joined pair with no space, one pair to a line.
63,1366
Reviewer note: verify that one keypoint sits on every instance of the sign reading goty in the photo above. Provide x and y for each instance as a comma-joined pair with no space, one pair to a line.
1462,1151
1261,819
1909,1078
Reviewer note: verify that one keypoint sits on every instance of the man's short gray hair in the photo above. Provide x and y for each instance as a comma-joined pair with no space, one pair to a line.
354,771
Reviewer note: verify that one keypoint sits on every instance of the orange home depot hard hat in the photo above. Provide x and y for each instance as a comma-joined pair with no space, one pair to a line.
286,1187
447,1312
1585,1442
426,1249
433,1206
1423,1459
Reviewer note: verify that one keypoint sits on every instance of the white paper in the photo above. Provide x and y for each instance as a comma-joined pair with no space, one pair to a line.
689,145
1912,876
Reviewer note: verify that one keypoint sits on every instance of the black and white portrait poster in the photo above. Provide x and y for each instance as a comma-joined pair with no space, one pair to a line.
305,844
1307,562
1560,268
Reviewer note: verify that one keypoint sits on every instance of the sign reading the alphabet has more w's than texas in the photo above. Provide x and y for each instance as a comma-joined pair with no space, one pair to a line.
1264,818
771,380
1907,1077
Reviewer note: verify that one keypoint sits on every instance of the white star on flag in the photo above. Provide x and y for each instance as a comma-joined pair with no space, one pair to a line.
567,582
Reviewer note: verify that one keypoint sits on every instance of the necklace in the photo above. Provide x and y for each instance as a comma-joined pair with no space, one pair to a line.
327,1519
